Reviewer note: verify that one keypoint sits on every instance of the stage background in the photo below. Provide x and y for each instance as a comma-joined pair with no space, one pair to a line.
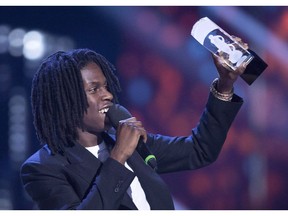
165,76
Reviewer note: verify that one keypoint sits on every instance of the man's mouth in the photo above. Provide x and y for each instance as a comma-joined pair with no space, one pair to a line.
103,110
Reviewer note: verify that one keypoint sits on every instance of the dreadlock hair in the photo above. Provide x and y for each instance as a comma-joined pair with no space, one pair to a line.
58,98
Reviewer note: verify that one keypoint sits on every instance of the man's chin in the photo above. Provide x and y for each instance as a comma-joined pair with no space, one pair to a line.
108,127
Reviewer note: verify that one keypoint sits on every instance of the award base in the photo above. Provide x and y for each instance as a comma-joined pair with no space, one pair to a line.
254,69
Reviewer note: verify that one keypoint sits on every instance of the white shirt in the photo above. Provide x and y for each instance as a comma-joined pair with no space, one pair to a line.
135,191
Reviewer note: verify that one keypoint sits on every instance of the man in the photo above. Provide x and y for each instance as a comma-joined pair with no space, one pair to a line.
71,94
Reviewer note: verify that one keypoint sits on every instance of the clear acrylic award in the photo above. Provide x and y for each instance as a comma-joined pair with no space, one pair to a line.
220,43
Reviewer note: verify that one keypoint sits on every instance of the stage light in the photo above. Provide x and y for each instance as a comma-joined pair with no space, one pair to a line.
140,91
4,32
17,127
15,39
34,45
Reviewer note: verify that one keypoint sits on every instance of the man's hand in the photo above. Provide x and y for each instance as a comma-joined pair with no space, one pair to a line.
227,76
128,133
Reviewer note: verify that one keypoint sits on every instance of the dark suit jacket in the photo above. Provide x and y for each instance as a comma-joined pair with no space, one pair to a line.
78,180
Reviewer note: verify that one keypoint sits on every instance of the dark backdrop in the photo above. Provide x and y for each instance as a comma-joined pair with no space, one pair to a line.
165,76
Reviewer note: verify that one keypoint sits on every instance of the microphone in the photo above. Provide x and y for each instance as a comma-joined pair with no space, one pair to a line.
117,113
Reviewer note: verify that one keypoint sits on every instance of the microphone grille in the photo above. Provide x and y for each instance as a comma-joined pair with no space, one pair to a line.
117,113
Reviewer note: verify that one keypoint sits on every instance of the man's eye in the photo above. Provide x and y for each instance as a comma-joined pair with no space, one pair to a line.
92,90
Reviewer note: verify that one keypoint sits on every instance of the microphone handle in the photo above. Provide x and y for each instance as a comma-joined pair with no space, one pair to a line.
147,156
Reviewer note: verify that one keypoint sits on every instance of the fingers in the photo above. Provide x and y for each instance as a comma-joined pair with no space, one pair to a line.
128,134
133,122
135,126
241,69
239,40
226,73
220,62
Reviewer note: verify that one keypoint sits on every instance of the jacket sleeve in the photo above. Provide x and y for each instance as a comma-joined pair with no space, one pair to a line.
203,145
51,188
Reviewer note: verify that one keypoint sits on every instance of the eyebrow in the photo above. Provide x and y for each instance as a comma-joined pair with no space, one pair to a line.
93,83
96,83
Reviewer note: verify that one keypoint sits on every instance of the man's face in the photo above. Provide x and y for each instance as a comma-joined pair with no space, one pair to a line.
99,99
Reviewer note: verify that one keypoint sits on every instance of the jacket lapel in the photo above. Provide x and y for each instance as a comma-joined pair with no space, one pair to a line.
86,166
82,162
127,202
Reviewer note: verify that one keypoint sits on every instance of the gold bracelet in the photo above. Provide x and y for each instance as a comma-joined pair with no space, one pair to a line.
219,95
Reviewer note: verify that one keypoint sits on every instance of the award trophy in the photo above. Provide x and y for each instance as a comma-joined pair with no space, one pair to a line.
219,42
